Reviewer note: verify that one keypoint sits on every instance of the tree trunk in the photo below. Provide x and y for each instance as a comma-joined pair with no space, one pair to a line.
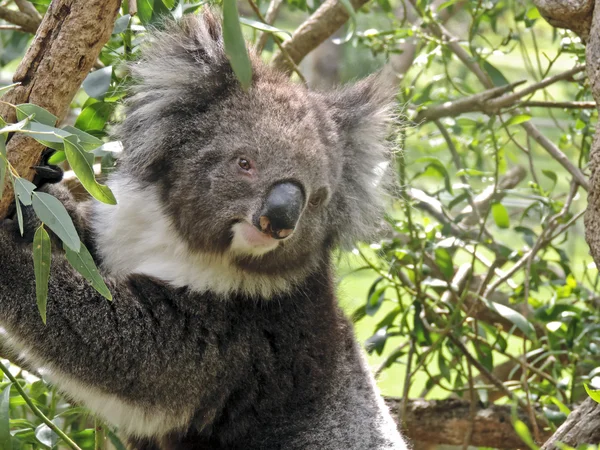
583,17
66,46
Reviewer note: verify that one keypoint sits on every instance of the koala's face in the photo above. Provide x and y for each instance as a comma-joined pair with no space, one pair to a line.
271,177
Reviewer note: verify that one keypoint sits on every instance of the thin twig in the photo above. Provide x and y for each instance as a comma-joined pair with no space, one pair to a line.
284,52
28,23
270,17
37,411
563,105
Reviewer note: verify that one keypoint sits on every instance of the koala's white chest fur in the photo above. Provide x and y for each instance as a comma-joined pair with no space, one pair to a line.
129,418
136,237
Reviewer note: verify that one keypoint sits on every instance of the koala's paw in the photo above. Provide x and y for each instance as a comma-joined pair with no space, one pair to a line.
46,173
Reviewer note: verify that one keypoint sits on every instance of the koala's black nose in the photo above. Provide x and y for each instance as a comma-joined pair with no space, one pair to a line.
281,210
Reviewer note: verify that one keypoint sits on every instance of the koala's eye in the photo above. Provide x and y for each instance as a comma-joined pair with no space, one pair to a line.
318,197
244,164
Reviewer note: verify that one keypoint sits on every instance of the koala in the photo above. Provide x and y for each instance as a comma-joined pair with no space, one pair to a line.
224,331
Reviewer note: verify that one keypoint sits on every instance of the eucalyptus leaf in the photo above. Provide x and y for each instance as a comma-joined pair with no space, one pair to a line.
265,27
52,212
39,114
94,116
5,437
96,84
121,24
86,140
84,264
82,164
23,190
514,317
235,46
46,436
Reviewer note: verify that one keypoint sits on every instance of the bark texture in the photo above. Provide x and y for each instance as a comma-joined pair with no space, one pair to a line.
66,46
582,427
446,422
575,15
583,424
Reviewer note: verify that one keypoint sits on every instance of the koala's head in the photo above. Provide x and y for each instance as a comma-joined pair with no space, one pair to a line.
272,177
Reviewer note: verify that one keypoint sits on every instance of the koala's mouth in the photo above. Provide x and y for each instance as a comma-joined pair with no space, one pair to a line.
248,240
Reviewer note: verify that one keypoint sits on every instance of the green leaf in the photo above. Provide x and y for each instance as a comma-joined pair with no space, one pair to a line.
41,265
82,164
265,27
515,120
84,264
52,212
444,369
514,317
375,297
121,24
49,136
86,140
473,172
235,46
443,260
96,84
500,215
25,110
57,157
5,437
593,393
23,190
437,166
46,436
523,432
150,11
551,175
94,116
497,78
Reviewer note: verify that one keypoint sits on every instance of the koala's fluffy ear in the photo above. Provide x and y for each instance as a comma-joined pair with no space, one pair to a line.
363,113
182,72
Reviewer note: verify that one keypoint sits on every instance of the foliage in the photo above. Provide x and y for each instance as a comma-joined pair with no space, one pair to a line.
481,285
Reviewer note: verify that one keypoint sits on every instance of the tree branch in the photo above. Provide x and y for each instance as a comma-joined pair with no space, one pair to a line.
65,48
325,21
445,422
25,21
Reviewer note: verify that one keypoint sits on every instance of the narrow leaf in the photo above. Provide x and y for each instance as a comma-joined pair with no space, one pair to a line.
84,264
515,120
514,317
83,165
235,46
94,116
41,265
52,212
25,110
265,27
5,437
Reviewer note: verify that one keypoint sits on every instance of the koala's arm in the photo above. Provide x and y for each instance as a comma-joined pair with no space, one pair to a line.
100,343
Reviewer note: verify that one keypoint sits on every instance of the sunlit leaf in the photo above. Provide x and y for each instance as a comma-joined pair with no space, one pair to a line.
82,164
524,433
515,120
500,215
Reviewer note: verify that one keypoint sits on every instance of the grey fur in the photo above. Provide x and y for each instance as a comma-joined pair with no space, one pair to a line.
262,359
